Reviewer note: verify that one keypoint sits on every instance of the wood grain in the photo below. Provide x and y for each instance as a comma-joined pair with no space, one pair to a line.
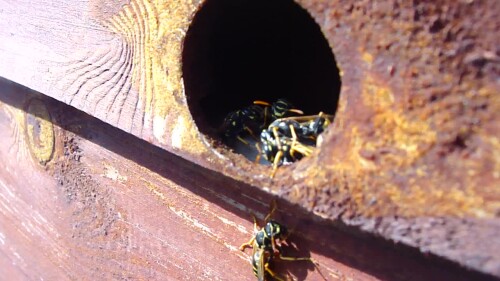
109,206
121,62
122,212
117,61
412,153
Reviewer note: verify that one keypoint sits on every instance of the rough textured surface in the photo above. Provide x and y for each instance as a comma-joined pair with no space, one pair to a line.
418,130
111,206
413,151
414,146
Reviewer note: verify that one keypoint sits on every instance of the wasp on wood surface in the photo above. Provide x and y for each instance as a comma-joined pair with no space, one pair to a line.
266,244
287,140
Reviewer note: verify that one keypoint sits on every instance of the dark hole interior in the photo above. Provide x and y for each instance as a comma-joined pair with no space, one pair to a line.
238,51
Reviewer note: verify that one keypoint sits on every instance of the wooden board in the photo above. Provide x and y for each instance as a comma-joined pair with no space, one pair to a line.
107,205
92,55
415,134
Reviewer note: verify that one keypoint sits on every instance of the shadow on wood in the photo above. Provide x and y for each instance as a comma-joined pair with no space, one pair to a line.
342,251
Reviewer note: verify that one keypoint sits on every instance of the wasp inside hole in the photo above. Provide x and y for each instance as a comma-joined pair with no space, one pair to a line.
243,126
283,139
266,244
279,109
287,140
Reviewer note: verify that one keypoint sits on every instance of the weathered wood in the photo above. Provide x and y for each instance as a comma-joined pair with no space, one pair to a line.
117,60
121,212
415,137
106,205
121,62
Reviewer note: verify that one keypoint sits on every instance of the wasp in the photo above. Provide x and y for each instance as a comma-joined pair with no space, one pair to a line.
306,127
279,109
254,118
249,120
266,244
287,140
280,150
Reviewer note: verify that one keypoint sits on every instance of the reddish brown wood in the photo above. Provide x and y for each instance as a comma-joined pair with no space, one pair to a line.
111,206
412,155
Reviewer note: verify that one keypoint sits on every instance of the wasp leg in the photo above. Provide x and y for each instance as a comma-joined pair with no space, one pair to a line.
277,159
294,140
267,105
277,138
305,150
251,242
295,258
248,244
257,158
279,154
272,273
265,116
315,263
297,146
250,132
242,140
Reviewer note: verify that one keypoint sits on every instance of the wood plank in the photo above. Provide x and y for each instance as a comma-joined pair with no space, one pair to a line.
119,212
65,52
107,205
101,57
119,61
414,139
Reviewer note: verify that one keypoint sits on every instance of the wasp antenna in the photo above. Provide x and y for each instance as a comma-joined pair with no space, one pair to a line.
298,111
261,102
272,208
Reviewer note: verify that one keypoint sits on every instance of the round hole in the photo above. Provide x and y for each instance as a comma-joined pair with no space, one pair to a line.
236,52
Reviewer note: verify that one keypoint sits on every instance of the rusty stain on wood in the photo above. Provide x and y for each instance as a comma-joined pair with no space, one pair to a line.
147,75
415,136
111,206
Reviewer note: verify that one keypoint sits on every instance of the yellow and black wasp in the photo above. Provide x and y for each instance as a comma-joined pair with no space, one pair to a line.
247,120
242,122
266,244
287,140
279,109
306,128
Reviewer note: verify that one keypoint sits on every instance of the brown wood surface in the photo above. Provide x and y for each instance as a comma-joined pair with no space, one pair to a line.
116,60
412,154
405,124
93,214
108,206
